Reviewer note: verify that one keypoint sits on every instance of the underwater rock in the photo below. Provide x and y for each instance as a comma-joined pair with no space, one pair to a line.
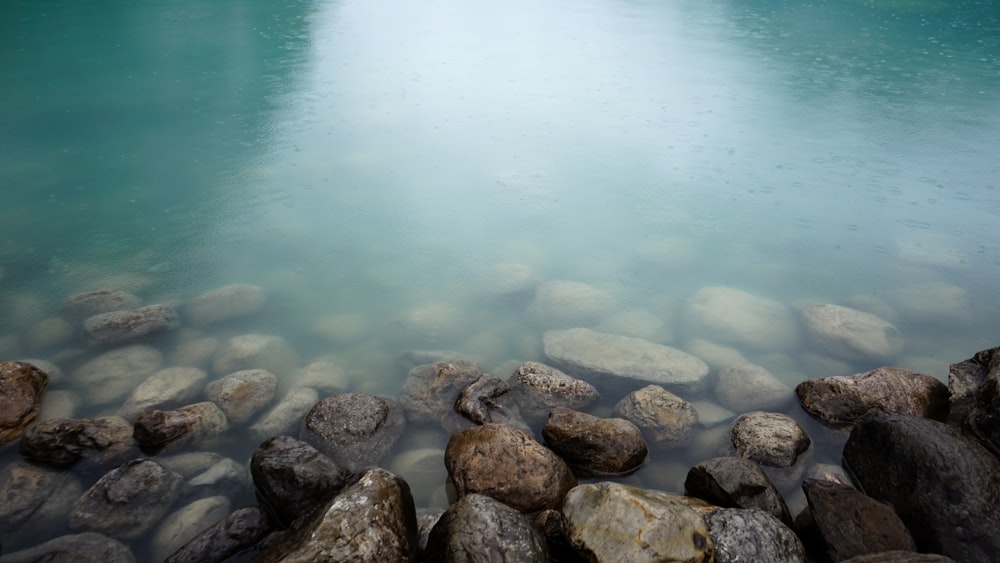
769,438
225,303
430,390
666,420
752,535
255,351
119,327
561,304
111,376
22,386
849,334
164,390
197,425
326,377
227,477
34,498
185,523
354,429
239,531
726,315
286,416
538,388
596,446
243,394
87,304
491,530
637,323
48,334
196,353
735,482
934,303
85,547
746,387
93,442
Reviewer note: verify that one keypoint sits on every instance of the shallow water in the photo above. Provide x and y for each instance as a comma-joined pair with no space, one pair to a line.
369,163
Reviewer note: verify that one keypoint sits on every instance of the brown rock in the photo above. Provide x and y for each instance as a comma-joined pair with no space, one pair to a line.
243,394
61,442
665,419
430,390
598,446
22,387
768,438
198,424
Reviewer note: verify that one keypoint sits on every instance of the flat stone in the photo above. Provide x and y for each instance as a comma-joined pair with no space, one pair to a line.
118,327
225,303
666,420
597,446
164,390
731,316
22,386
111,376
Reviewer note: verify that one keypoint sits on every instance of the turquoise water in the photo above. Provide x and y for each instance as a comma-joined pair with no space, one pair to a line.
369,162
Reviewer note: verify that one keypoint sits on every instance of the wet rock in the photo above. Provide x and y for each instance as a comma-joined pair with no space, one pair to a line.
983,420
83,305
87,547
612,522
487,399
569,303
22,386
111,376
197,425
426,519
900,557
508,465
933,302
752,535
431,390
243,394
746,387
965,379
93,442
734,482
841,401
509,280
371,520
127,501
255,351
227,477
943,485
597,446
166,389
118,327
538,388
666,420
239,531
185,523
726,315
589,354
34,498
294,478
196,353
354,429
225,303
326,377
852,524
286,416
768,438
851,335
478,528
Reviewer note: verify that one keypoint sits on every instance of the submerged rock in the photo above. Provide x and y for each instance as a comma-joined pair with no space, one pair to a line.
479,528
255,351
597,446
286,416
225,303
726,315
166,389
22,386
83,305
354,429
851,335
243,394
746,387
118,327
83,548
430,390
568,303
34,498
187,522
111,376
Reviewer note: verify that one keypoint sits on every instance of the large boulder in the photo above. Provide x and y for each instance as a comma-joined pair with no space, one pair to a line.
741,535
354,429
118,327
22,386
594,445
479,528
735,482
666,420
538,388
224,303
430,390
726,315
850,334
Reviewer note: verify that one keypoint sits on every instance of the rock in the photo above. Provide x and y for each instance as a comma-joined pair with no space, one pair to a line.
852,524
90,303
508,465
227,477
717,356
93,442
428,324
752,535
191,463
34,498
478,528
983,421
726,315
850,334
665,419
965,379
255,351
22,386
196,353
326,377
768,438
934,303
423,469
111,376
127,501
612,522
372,520
59,404
225,303
568,303
588,354
48,334
637,323
426,519
354,429
187,522
118,327
166,389
841,401
287,415
597,446
294,478
197,425
735,482
243,394
431,390
239,531
711,414
900,557
509,280
746,387
944,486
342,330
55,373
487,400
82,548
538,388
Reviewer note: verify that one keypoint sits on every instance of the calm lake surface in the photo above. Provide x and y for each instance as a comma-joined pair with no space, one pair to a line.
372,163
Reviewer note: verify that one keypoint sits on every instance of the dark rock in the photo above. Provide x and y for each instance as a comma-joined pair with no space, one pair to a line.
840,401
752,535
598,446
943,485
426,519
508,465
242,529
90,303
62,442
118,327
182,525
225,303
294,478
735,482
964,380
538,388
768,438
127,501
88,547
666,420
243,394
354,429
984,419
430,391
852,524
199,425
486,400
34,498
22,387
478,528
900,557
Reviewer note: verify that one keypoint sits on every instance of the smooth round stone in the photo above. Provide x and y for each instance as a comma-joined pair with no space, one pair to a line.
326,377
770,439
354,429
569,303
746,387
538,388
710,414
227,477
118,327
225,303
197,353
59,404
111,376
508,279
187,522
640,324
22,386
851,335
90,303
665,419
48,334
286,416
164,390
243,394
597,446
741,319
191,463
255,351
715,355
197,425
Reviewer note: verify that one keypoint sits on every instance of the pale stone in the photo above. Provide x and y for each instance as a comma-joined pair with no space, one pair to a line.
731,316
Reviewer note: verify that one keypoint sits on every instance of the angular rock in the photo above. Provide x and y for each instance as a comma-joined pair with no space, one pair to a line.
597,446
127,501
840,401
243,394
225,303
239,531
197,425
734,482
590,354
965,379
746,387
538,388
665,419
612,522
185,523
111,376
851,335
488,399
768,438
478,528
752,535
943,485
255,351
164,390
22,386
77,548
90,303
430,390
731,316
286,416
354,429
94,442
508,465
118,327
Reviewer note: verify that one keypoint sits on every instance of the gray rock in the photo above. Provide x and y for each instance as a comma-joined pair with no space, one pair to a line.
730,316
118,327
752,535
255,351
983,421
354,429
93,442
747,387
372,520
227,477
569,303
88,547
430,390
326,377
426,519
944,486
111,376
127,501
488,399
22,386
48,334
225,303
164,390
538,388
589,354
196,353
851,335
286,416
243,394
197,425
478,528
597,446
187,522
900,557
840,401
34,498
90,303
191,463
964,380
735,482
666,420
768,438
239,531
613,522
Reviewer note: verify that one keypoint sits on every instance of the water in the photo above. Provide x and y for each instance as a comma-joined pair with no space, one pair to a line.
369,163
